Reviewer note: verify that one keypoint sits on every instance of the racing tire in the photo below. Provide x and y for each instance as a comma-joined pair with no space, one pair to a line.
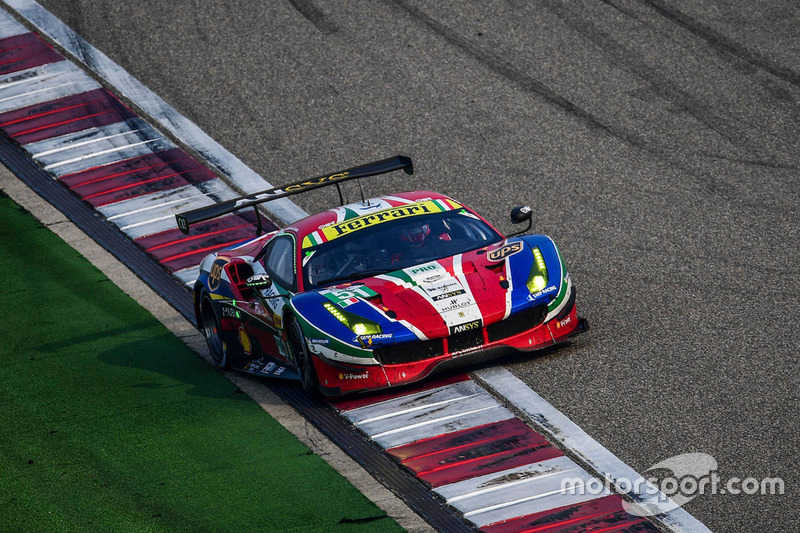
212,330
302,357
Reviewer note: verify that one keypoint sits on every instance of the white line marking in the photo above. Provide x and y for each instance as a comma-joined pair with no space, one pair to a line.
519,500
511,484
73,145
97,154
434,421
418,408
143,222
157,206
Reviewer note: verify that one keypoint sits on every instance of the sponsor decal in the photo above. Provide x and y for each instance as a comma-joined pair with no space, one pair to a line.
504,251
343,228
453,305
229,312
270,369
244,340
348,376
259,281
323,342
447,295
215,274
366,340
469,326
544,291
349,296
565,322
419,269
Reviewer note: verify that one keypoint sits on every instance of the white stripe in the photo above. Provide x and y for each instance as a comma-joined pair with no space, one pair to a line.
188,275
551,467
413,409
132,89
143,222
559,429
97,154
439,420
74,145
153,213
157,206
458,390
10,27
471,406
42,84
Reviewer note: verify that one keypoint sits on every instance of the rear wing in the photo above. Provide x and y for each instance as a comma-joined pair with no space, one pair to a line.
201,214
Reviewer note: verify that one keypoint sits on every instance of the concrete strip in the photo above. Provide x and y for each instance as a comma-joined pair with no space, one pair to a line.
586,451
240,175
118,273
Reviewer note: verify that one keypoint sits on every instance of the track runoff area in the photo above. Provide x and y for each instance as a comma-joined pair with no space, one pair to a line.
498,455
111,423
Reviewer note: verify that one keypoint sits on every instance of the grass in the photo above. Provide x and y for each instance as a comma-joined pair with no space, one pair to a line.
109,423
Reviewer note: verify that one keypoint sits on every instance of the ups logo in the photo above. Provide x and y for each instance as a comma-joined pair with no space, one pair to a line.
215,274
504,251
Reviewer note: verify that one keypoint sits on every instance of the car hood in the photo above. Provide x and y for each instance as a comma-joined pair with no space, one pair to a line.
435,299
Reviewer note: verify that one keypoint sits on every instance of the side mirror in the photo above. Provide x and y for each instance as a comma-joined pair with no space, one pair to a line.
519,215
259,281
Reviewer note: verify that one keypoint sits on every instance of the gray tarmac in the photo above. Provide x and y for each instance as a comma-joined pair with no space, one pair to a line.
658,143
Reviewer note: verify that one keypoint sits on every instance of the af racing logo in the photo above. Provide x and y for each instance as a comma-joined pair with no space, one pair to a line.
504,251
215,274
366,340
469,326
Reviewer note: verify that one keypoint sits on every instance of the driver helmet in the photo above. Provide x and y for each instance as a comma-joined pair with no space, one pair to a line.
415,237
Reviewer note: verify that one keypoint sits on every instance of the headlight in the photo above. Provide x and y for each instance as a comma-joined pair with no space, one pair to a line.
537,279
358,325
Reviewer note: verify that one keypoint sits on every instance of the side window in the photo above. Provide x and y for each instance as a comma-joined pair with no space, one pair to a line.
279,261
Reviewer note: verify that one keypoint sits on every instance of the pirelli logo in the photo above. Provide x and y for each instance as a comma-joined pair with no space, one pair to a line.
319,181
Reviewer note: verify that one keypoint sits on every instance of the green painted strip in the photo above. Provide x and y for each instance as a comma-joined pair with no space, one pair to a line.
110,423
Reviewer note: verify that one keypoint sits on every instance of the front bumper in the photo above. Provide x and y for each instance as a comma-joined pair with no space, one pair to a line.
340,379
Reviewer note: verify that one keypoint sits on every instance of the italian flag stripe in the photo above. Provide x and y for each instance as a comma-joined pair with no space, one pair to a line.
441,205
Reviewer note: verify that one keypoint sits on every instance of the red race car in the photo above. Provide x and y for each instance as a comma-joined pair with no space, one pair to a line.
379,293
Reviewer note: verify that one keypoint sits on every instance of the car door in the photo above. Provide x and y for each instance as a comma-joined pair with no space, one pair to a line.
278,262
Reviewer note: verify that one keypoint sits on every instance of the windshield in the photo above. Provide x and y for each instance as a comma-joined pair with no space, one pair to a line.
395,244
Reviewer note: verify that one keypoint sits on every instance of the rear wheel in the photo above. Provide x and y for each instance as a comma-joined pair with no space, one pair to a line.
212,329
302,357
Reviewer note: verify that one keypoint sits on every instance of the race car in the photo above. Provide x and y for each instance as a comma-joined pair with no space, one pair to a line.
378,293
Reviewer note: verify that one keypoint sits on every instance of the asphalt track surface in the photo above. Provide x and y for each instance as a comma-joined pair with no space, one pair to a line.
658,142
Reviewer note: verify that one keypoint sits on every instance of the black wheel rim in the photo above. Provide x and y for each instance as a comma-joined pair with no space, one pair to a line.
211,329
302,358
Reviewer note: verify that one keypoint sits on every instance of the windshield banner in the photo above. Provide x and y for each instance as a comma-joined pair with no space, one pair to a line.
349,226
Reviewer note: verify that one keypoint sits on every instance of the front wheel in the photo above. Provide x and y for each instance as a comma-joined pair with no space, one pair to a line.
302,357
212,329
